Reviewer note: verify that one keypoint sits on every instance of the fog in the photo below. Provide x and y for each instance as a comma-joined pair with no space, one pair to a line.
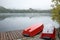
26,4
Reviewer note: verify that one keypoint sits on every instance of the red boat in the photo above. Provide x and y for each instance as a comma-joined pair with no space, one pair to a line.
48,32
33,30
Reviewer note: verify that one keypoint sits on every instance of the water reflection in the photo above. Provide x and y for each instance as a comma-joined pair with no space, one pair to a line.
19,23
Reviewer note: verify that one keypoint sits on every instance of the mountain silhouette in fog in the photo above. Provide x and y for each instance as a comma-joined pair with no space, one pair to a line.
30,10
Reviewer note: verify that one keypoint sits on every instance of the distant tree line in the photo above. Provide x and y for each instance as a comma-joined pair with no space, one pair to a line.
30,10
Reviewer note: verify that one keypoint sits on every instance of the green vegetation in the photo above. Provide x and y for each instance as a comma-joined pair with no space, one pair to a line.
30,10
56,13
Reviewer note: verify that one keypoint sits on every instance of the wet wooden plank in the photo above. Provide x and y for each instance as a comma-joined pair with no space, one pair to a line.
1,36
9,36
4,36
14,35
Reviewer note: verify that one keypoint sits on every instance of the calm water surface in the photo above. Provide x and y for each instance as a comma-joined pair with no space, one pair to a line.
19,23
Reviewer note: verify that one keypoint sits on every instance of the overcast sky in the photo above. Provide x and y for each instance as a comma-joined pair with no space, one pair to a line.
26,4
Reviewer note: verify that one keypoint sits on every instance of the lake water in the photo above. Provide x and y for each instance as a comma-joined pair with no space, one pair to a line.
19,23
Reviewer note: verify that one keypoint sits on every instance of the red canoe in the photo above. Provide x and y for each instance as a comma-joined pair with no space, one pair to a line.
33,30
48,32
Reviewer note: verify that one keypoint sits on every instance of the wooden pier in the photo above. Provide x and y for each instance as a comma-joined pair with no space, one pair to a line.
17,34
11,35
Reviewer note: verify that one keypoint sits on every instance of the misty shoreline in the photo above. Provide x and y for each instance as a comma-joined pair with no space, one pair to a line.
5,15
25,14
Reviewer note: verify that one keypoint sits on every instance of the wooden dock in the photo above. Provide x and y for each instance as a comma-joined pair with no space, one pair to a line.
11,35
17,34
